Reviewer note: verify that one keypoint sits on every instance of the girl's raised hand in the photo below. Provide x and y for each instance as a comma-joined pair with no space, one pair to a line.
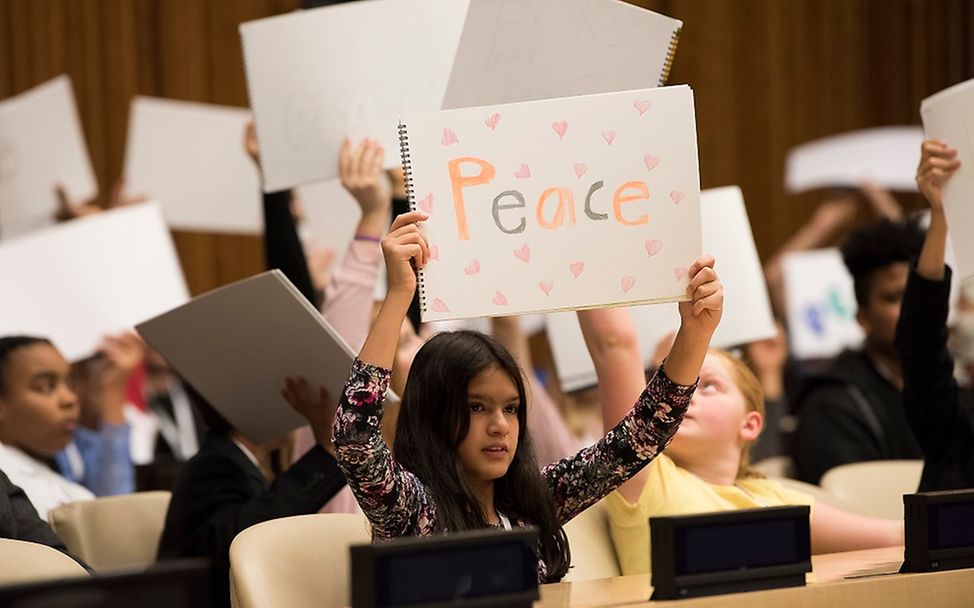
701,313
406,250
938,162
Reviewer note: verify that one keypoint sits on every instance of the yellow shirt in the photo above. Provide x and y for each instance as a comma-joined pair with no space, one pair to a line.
670,490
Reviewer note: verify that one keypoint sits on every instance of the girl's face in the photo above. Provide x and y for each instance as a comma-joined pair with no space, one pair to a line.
717,420
38,410
488,449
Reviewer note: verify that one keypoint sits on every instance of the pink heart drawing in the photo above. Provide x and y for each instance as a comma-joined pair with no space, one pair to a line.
680,272
439,306
473,267
524,253
435,252
651,161
560,127
546,287
642,105
627,283
427,204
524,172
492,120
677,196
449,137
499,299
653,247
580,169
576,268
609,136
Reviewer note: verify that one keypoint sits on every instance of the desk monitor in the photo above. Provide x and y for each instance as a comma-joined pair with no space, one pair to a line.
496,568
730,551
939,531
174,584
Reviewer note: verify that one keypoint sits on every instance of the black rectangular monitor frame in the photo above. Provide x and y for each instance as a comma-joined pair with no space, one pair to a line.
674,577
921,519
368,563
118,590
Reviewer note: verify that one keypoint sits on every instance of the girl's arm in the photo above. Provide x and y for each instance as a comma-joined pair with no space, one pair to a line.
393,499
581,481
835,531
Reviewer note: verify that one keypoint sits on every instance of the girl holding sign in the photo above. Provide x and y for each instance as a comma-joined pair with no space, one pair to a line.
705,468
463,458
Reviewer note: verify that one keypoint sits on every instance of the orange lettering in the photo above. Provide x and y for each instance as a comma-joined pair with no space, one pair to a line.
565,199
460,181
619,198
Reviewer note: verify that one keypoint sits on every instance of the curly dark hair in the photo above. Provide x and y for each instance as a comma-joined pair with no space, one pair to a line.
10,344
876,246
434,419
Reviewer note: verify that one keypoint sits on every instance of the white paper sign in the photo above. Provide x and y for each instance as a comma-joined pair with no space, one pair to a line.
557,204
820,304
949,116
41,143
885,156
229,347
190,157
522,50
747,310
320,75
80,281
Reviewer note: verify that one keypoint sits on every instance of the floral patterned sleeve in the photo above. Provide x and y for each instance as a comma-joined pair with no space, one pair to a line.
394,500
580,481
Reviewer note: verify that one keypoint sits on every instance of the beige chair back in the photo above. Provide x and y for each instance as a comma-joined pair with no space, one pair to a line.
875,487
593,555
114,532
24,562
816,492
297,562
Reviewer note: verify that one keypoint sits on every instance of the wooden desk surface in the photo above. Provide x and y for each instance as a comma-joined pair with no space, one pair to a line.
828,586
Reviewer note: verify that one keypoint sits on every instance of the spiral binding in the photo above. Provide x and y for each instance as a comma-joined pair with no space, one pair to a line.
407,171
670,54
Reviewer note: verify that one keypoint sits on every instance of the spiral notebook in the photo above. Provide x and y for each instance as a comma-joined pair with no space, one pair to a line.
558,204
524,50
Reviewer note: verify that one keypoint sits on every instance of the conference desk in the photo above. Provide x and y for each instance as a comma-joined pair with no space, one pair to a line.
859,579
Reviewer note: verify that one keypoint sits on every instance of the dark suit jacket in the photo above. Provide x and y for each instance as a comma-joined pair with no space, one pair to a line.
19,519
220,492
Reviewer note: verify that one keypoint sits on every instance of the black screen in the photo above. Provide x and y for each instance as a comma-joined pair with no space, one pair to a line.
461,573
951,525
737,546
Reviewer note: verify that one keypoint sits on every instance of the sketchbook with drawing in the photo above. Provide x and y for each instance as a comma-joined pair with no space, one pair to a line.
557,204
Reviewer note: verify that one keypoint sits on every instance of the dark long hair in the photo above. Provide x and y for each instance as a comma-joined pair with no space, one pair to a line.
8,345
434,419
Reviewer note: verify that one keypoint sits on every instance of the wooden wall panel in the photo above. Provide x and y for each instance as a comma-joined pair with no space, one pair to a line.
767,74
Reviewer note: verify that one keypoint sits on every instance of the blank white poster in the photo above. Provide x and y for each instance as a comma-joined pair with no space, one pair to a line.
320,75
949,116
884,156
522,50
41,144
190,158
82,280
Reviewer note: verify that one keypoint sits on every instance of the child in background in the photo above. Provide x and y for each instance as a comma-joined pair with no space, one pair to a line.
706,466
43,424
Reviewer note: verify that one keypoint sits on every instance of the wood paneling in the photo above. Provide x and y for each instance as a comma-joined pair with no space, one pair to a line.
767,74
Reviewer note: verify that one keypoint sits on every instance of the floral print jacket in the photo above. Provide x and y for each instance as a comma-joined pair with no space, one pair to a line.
397,503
